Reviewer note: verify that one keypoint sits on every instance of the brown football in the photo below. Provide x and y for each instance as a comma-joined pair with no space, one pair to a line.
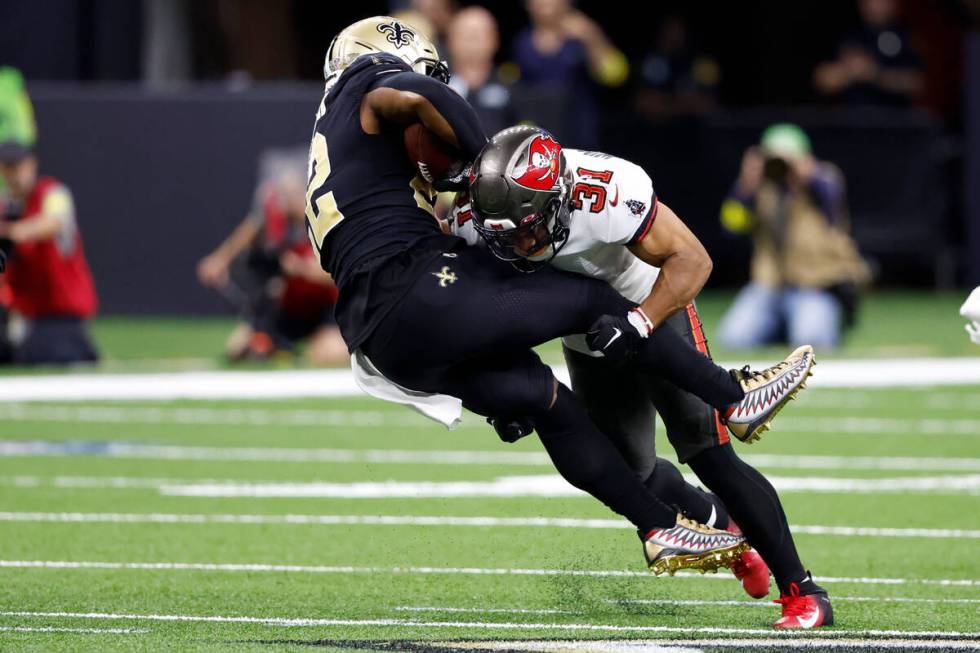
435,158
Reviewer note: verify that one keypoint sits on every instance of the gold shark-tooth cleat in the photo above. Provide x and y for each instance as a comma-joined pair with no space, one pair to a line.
690,545
767,392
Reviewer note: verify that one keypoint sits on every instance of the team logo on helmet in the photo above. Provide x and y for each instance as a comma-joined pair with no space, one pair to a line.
541,166
397,33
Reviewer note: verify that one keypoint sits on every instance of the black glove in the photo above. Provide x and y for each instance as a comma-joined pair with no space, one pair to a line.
618,337
511,430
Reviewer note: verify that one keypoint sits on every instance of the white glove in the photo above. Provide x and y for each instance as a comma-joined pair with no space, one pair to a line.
971,311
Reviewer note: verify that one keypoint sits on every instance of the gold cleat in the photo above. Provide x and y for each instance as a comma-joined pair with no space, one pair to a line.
690,545
767,392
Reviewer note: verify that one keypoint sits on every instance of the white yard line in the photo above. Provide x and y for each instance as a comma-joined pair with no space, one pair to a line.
694,645
36,448
423,608
501,487
262,417
876,425
481,625
419,520
115,449
466,571
551,485
766,604
211,416
86,631
268,384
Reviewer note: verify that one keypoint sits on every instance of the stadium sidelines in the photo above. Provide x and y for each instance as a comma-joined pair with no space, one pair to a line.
423,520
281,384
247,568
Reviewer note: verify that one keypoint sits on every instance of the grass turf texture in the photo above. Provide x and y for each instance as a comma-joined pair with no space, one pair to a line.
379,604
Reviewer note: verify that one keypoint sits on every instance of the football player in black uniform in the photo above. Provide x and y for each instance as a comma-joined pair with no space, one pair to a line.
435,316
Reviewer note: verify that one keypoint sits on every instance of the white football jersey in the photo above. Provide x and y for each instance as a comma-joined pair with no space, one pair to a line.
613,205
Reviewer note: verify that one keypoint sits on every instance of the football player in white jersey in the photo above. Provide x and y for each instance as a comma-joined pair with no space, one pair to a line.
611,225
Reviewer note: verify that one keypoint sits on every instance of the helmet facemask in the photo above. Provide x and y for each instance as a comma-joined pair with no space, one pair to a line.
528,243
520,196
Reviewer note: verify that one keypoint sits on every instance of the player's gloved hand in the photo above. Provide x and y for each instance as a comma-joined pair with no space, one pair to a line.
511,429
618,337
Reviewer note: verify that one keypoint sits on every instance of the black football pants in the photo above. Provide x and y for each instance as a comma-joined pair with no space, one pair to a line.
465,328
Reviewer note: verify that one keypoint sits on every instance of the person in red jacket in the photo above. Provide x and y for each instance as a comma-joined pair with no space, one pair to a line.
47,275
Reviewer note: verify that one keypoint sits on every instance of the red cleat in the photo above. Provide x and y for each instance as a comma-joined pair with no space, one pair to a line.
804,611
752,570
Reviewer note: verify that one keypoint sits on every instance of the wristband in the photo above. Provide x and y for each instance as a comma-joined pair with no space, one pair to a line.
640,322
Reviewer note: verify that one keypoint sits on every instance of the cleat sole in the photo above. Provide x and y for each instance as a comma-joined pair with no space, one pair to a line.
703,562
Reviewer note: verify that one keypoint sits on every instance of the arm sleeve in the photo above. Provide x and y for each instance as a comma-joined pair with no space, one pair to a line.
450,104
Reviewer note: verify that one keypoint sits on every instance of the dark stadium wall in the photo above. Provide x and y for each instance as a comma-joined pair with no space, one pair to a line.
159,179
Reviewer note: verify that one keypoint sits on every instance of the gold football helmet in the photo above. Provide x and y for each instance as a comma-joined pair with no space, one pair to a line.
384,34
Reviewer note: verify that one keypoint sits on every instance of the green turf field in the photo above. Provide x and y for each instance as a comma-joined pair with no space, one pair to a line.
281,525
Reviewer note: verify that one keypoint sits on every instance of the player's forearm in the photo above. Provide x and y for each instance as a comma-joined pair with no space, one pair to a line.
243,236
438,107
682,276
44,228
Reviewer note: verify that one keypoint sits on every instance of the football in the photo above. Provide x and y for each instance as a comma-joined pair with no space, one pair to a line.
436,159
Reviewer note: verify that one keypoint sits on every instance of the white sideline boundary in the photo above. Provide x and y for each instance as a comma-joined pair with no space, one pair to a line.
410,520
281,384
482,625
466,571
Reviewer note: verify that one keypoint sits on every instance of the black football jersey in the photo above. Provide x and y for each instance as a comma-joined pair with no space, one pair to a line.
369,212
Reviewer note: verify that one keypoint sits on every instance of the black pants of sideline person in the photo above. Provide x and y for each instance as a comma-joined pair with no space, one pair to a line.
56,341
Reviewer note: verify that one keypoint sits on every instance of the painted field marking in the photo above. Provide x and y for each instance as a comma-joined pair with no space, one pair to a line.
126,450
437,520
767,604
423,608
269,384
500,487
467,571
92,631
482,625
541,486
38,448
694,645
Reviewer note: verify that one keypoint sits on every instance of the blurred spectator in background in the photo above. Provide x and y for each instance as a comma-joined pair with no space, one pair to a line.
440,14
875,64
558,55
676,78
267,269
805,268
48,284
473,41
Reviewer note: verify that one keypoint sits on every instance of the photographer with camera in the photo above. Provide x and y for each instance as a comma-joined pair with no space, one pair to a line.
52,295
805,270
267,270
